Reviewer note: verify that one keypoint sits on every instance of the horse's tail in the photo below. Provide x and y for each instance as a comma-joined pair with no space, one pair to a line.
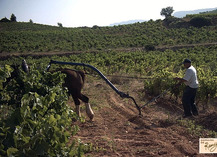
82,73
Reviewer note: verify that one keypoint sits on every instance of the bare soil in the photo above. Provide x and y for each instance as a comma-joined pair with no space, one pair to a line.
118,130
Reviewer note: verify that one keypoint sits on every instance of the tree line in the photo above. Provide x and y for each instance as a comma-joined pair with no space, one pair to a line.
13,18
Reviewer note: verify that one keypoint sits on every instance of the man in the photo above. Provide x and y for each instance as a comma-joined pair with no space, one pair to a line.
191,82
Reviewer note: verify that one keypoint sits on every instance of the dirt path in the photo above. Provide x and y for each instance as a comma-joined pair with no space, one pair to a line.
117,130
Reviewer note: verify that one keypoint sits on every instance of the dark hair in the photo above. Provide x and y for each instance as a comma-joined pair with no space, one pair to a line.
187,61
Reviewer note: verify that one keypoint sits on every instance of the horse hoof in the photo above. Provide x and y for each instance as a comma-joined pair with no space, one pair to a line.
89,111
91,117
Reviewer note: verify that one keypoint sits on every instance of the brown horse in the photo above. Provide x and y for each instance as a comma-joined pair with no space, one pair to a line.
74,81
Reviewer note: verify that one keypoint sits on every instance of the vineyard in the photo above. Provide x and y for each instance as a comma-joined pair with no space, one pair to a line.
38,120
28,37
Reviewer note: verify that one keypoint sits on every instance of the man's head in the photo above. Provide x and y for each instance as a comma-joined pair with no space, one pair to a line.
187,63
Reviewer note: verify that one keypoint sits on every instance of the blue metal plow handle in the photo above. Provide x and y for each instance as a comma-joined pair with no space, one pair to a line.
122,94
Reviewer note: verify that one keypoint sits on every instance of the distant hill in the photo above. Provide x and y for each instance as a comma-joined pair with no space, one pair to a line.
181,14
30,37
212,12
126,22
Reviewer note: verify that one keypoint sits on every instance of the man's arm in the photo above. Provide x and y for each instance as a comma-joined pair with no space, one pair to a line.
181,80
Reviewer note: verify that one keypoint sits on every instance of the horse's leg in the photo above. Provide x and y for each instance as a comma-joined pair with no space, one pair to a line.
89,110
77,105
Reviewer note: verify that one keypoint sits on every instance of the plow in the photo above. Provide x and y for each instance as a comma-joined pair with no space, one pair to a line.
120,93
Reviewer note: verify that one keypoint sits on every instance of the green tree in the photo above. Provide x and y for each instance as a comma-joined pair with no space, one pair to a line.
60,24
167,12
30,21
13,18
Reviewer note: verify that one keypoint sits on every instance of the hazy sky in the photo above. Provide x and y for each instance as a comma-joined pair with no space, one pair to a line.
74,13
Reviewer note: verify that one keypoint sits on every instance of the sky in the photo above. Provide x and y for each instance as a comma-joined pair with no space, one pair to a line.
78,13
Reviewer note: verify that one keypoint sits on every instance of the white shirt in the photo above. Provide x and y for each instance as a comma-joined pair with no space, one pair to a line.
191,77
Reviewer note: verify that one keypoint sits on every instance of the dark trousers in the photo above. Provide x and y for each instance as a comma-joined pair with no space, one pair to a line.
188,101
